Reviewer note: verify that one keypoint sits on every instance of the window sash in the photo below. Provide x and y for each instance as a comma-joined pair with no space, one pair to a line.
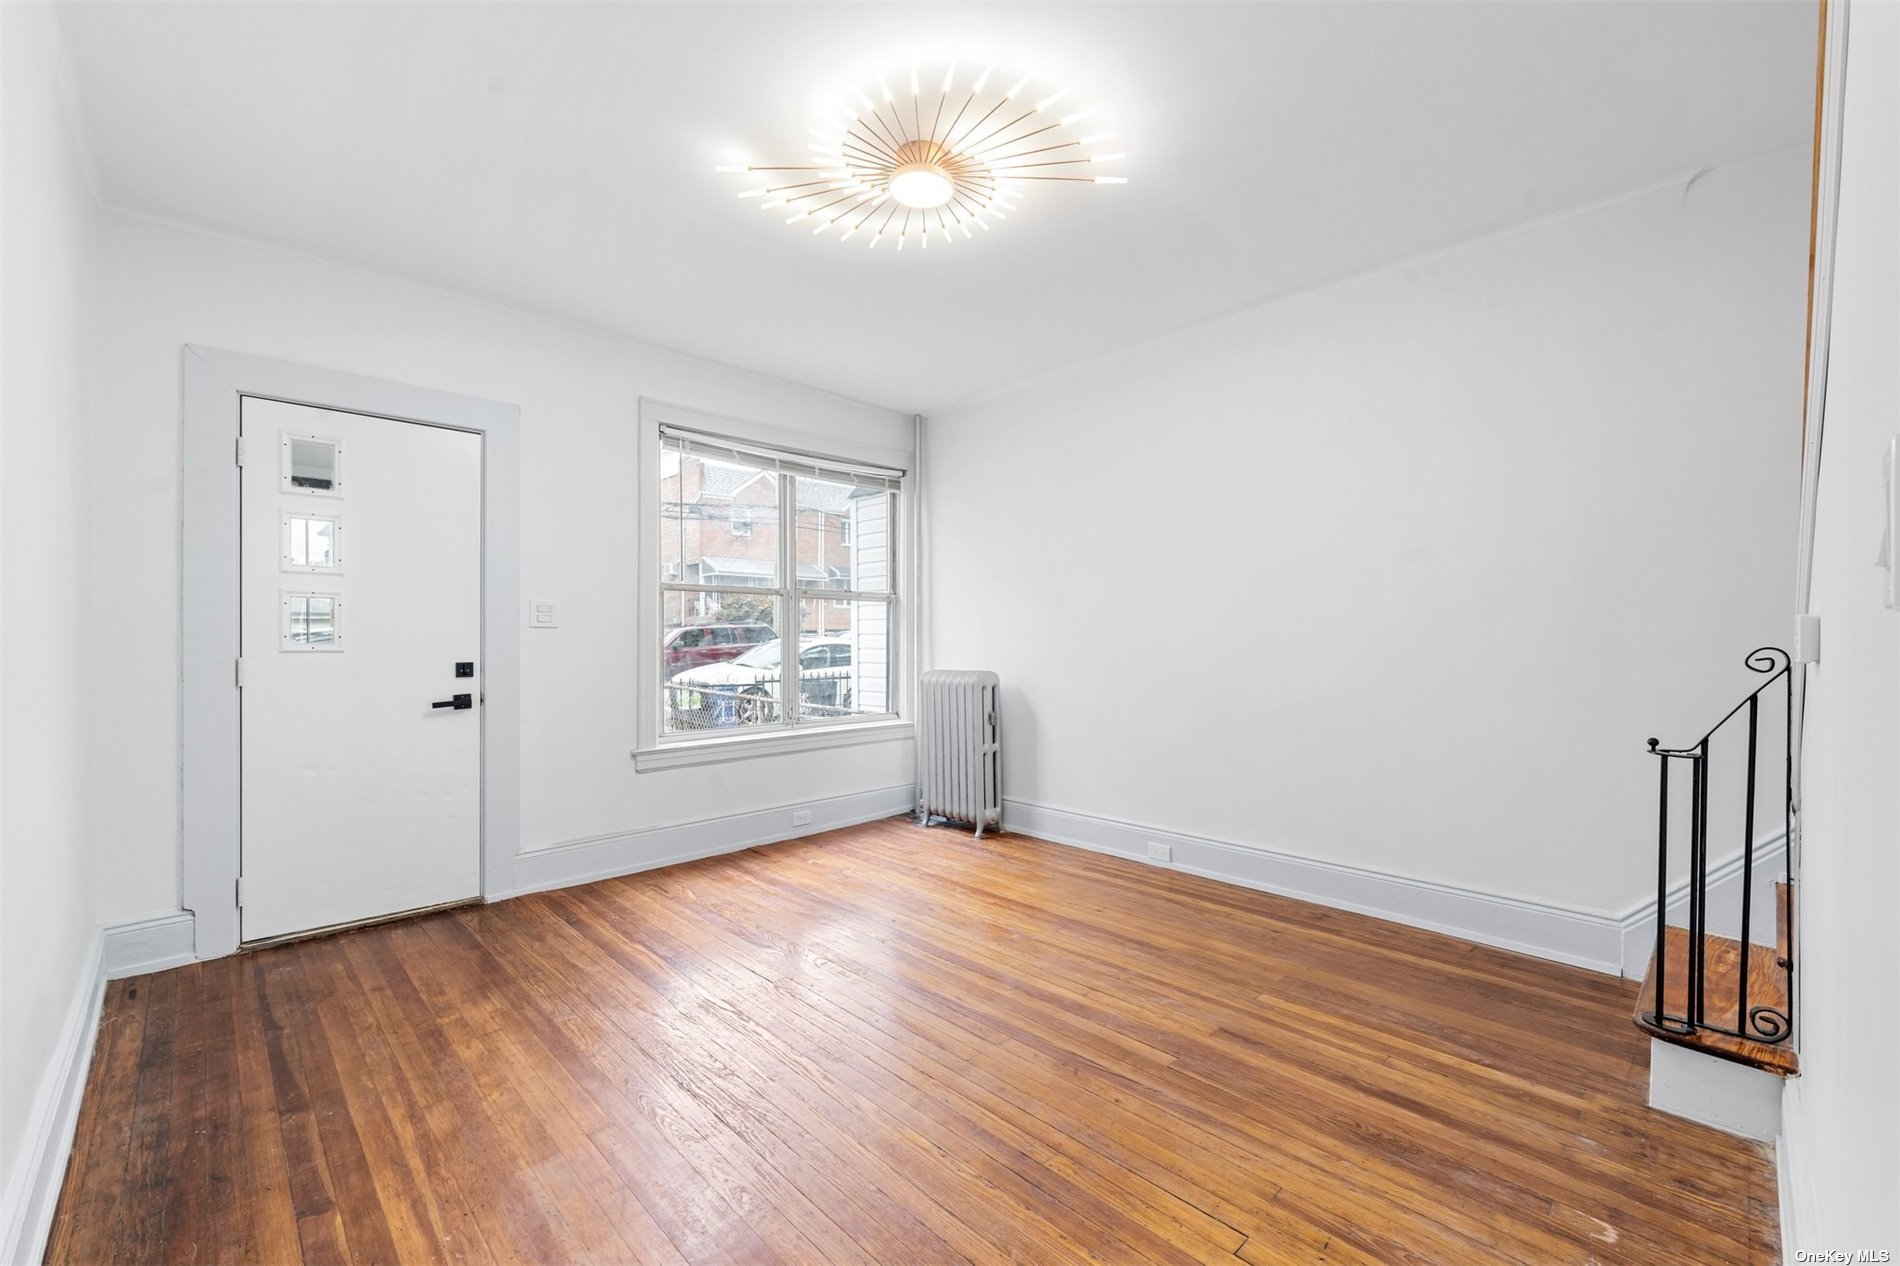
790,594
790,613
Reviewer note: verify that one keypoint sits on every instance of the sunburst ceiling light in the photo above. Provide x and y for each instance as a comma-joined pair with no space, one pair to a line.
922,163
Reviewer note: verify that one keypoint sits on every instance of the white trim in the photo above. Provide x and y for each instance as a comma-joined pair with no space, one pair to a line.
155,942
915,509
1827,214
1615,944
32,1194
777,743
605,856
215,383
1799,1217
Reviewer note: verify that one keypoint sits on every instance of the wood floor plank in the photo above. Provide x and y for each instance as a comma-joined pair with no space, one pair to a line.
1322,1169
888,1044
1108,1209
724,1098
260,1187
86,1226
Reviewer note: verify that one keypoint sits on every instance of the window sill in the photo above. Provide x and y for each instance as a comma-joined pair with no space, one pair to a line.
746,746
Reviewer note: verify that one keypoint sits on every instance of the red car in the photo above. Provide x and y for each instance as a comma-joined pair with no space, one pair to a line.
691,645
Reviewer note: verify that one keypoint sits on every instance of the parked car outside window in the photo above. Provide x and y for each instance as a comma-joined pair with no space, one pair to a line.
747,690
692,645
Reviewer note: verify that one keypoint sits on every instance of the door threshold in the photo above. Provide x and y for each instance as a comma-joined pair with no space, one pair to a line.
311,934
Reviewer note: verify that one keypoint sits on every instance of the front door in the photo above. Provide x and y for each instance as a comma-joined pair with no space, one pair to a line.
361,582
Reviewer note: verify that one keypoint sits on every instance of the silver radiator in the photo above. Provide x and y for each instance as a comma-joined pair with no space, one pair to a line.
959,755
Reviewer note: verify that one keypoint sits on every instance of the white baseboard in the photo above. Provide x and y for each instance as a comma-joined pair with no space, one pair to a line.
1725,904
604,857
152,943
26,1209
1616,944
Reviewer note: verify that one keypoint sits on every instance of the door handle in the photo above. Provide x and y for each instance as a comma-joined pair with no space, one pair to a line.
458,702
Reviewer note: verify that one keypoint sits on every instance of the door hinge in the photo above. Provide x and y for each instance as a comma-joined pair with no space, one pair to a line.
240,673
240,450
240,892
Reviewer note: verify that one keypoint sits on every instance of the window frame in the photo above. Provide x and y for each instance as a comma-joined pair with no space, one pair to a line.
656,749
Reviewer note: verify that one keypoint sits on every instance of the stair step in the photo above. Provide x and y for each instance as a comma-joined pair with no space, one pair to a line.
1767,986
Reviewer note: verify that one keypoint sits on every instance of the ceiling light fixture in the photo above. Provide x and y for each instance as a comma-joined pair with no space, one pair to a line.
929,159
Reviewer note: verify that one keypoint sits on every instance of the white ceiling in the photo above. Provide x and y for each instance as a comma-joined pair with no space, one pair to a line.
559,157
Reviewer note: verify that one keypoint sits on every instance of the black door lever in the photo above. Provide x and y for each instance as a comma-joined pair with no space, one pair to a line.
458,703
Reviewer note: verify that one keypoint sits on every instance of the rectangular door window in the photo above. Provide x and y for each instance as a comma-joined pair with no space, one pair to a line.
313,622
312,542
313,464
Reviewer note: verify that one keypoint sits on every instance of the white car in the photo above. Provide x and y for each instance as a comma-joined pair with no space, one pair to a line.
745,691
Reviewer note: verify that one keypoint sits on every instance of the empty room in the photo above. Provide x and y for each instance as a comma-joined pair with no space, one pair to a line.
949,633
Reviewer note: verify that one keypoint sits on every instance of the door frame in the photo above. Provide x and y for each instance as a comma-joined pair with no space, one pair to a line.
215,385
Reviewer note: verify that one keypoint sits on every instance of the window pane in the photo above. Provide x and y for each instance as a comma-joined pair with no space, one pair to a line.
718,521
310,541
720,666
844,539
310,621
312,461
854,639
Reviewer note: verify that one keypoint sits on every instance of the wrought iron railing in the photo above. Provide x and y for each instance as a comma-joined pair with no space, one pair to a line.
755,701
1754,1019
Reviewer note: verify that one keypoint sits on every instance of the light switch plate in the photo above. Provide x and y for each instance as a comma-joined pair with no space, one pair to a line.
541,614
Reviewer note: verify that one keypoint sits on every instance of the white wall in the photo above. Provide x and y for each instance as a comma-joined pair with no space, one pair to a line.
47,233
162,287
1842,1115
1402,573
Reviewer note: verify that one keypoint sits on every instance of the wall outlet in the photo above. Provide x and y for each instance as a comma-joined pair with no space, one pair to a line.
541,614
1158,852
801,817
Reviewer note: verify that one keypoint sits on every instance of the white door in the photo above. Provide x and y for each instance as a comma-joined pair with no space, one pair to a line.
361,606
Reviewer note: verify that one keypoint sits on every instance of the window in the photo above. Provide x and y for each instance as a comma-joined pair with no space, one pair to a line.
313,464
312,622
781,575
312,542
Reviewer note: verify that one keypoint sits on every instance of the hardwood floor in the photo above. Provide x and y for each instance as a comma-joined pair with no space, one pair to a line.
892,1045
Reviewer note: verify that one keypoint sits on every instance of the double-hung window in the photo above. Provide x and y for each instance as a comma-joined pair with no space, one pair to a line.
789,626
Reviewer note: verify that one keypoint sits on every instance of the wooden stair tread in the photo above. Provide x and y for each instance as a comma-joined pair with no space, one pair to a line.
1767,986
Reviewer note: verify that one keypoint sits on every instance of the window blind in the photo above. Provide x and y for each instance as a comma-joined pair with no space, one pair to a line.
810,466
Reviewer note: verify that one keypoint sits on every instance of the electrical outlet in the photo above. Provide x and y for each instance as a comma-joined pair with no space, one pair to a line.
1158,852
801,817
